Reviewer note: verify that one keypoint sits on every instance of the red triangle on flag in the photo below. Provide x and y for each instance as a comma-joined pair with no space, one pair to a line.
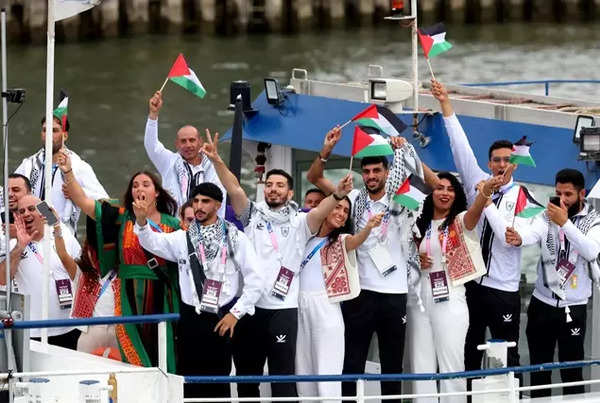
404,188
180,68
426,42
360,141
370,112
521,201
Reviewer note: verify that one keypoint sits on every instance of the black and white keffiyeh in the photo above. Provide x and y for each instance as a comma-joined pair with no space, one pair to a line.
186,179
550,249
212,237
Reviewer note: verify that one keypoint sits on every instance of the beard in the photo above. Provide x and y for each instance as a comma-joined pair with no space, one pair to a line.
376,189
274,204
574,208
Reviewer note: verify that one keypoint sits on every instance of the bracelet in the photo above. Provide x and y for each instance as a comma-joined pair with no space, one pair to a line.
336,197
322,159
484,195
66,172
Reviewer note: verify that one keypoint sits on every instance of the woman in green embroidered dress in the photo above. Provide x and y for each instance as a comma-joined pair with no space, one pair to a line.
149,285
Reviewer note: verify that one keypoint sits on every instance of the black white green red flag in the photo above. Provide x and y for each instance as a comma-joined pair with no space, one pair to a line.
182,75
369,145
433,40
520,154
412,192
61,110
381,119
526,206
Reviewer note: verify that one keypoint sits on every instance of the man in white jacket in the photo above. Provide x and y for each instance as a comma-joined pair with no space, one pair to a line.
32,168
180,171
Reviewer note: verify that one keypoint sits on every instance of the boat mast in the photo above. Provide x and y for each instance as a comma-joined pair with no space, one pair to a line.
48,159
415,62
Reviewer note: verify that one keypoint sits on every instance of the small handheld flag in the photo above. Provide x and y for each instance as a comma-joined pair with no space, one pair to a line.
383,121
412,192
61,110
520,154
182,75
433,41
526,206
369,145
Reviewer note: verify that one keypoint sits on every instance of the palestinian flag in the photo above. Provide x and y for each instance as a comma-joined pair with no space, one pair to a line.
527,206
381,119
520,153
182,75
433,40
412,192
369,145
61,110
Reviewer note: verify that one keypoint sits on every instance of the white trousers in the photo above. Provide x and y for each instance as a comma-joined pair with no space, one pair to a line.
436,340
320,344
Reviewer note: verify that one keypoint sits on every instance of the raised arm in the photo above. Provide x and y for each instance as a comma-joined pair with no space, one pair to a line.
318,214
61,250
159,155
431,177
72,187
23,239
587,245
315,172
239,199
354,241
463,155
483,199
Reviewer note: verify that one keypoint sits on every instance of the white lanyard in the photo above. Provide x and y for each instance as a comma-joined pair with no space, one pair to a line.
444,243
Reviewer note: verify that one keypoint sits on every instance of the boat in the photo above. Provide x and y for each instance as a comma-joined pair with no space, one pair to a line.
274,126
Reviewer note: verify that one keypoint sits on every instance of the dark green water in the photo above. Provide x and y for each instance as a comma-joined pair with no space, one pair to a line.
109,82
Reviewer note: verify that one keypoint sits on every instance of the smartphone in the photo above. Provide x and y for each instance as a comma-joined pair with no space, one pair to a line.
48,214
555,200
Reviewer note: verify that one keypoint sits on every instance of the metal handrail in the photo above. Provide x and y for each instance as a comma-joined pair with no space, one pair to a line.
102,320
389,377
524,82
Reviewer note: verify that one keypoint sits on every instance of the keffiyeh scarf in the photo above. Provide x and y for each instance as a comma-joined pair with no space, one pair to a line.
550,252
186,179
211,237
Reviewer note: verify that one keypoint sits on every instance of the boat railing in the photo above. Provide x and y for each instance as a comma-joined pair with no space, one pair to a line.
528,82
161,319
360,379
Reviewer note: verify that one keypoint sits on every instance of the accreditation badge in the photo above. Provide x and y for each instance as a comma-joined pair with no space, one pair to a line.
64,293
210,296
439,286
565,269
382,259
282,283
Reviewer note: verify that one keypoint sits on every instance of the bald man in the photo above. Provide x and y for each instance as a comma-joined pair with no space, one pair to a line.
181,171
26,270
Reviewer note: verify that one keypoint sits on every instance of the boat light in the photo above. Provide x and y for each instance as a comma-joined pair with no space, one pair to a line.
273,91
590,140
389,90
581,122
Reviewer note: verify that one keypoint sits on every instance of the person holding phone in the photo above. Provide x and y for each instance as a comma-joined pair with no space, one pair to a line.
26,263
32,168
493,299
569,237
149,284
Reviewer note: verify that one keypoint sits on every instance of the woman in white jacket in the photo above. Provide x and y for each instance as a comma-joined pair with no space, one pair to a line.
438,317
328,275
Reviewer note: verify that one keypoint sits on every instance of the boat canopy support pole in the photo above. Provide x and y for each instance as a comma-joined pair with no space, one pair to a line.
48,161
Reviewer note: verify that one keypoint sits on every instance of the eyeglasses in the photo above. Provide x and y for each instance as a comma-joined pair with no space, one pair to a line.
501,159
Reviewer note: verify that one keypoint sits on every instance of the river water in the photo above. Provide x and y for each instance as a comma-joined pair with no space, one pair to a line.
110,81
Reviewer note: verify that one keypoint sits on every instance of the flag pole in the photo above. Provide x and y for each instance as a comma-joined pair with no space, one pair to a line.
345,124
48,160
351,160
430,69
165,83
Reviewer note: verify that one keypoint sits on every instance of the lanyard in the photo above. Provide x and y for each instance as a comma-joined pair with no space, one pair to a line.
154,225
112,275
33,249
566,249
503,192
312,253
428,244
273,236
